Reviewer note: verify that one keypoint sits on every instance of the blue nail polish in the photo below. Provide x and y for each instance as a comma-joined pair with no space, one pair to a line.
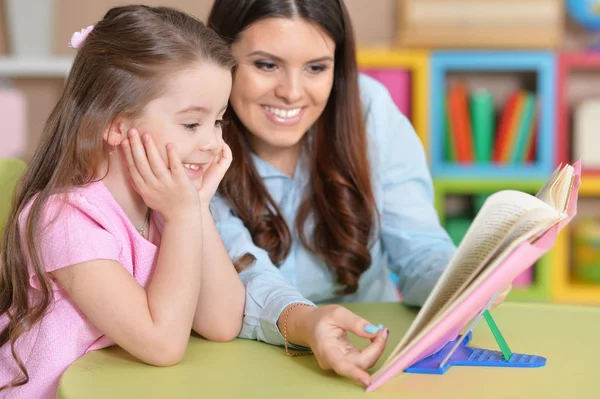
371,329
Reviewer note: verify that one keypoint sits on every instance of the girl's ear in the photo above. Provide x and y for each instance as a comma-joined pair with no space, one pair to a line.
116,132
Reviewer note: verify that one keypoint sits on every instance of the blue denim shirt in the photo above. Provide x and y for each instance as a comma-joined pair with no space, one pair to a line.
411,243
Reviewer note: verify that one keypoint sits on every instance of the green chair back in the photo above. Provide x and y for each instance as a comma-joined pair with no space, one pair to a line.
10,172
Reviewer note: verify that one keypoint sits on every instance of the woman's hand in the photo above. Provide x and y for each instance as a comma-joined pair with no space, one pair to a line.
325,330
502,296
214,174
165,190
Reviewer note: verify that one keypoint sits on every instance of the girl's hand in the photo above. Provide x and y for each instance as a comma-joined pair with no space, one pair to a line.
327,335
165,190
214,174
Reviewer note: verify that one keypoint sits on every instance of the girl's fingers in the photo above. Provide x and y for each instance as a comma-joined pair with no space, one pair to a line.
157,165
140,158
135,175
226,154
174,162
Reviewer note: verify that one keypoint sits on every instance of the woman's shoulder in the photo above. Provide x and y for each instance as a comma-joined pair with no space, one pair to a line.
385,123
382,116
372,90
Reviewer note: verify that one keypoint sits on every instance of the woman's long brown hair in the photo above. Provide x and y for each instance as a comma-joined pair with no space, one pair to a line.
121,66
340,200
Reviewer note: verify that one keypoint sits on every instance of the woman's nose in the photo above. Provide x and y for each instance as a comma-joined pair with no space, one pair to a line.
289,88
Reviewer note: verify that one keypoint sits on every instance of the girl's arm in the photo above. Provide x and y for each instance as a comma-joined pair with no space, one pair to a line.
154,325
220,307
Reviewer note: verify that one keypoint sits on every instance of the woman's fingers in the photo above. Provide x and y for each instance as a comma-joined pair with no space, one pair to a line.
371,354
349,321
348,369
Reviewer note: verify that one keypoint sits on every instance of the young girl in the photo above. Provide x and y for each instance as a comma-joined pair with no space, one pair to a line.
110,240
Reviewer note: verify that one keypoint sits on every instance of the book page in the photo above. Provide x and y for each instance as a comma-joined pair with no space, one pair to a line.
558,188
538,220
490,228
542,224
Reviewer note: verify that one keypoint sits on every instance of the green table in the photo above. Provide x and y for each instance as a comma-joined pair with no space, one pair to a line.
569,337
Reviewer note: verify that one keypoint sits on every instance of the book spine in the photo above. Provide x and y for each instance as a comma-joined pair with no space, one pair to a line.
482,121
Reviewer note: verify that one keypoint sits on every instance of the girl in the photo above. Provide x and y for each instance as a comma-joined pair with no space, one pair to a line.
106,244
329,188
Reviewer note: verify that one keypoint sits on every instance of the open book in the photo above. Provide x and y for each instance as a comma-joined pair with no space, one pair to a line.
512,230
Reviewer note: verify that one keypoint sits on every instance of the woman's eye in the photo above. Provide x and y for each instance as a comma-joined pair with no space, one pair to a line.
265,65
191,126
220,123
317,68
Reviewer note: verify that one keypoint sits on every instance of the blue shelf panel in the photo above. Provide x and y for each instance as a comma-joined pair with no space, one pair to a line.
543,64
452,170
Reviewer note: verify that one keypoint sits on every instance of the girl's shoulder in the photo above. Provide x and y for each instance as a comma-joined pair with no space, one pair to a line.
92,202
71,227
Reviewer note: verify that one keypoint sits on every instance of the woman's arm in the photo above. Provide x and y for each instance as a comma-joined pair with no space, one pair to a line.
418,247
270,298
267,290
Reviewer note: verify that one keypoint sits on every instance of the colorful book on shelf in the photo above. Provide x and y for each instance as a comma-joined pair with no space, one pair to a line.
530,150
506,127
449,146
524,129
460,122
510,233
482,122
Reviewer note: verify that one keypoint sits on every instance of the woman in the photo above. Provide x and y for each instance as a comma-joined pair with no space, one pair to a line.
329,188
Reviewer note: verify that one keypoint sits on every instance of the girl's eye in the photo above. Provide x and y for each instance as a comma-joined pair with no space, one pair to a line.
265,65
191,126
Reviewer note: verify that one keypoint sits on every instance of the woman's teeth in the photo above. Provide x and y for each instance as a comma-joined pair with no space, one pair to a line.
191,166
282,113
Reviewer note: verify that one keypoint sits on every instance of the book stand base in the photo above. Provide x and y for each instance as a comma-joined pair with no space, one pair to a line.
466,356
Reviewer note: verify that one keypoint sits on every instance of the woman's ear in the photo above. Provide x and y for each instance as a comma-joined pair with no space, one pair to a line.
116,132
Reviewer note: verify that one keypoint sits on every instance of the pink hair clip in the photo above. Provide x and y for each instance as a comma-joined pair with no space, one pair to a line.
79,37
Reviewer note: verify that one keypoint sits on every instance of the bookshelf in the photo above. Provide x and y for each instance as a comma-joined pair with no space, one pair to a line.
565,287
415,64
559,81
578,79
33,67
540,65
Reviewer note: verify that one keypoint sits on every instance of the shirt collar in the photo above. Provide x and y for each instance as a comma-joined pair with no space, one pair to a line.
268,171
